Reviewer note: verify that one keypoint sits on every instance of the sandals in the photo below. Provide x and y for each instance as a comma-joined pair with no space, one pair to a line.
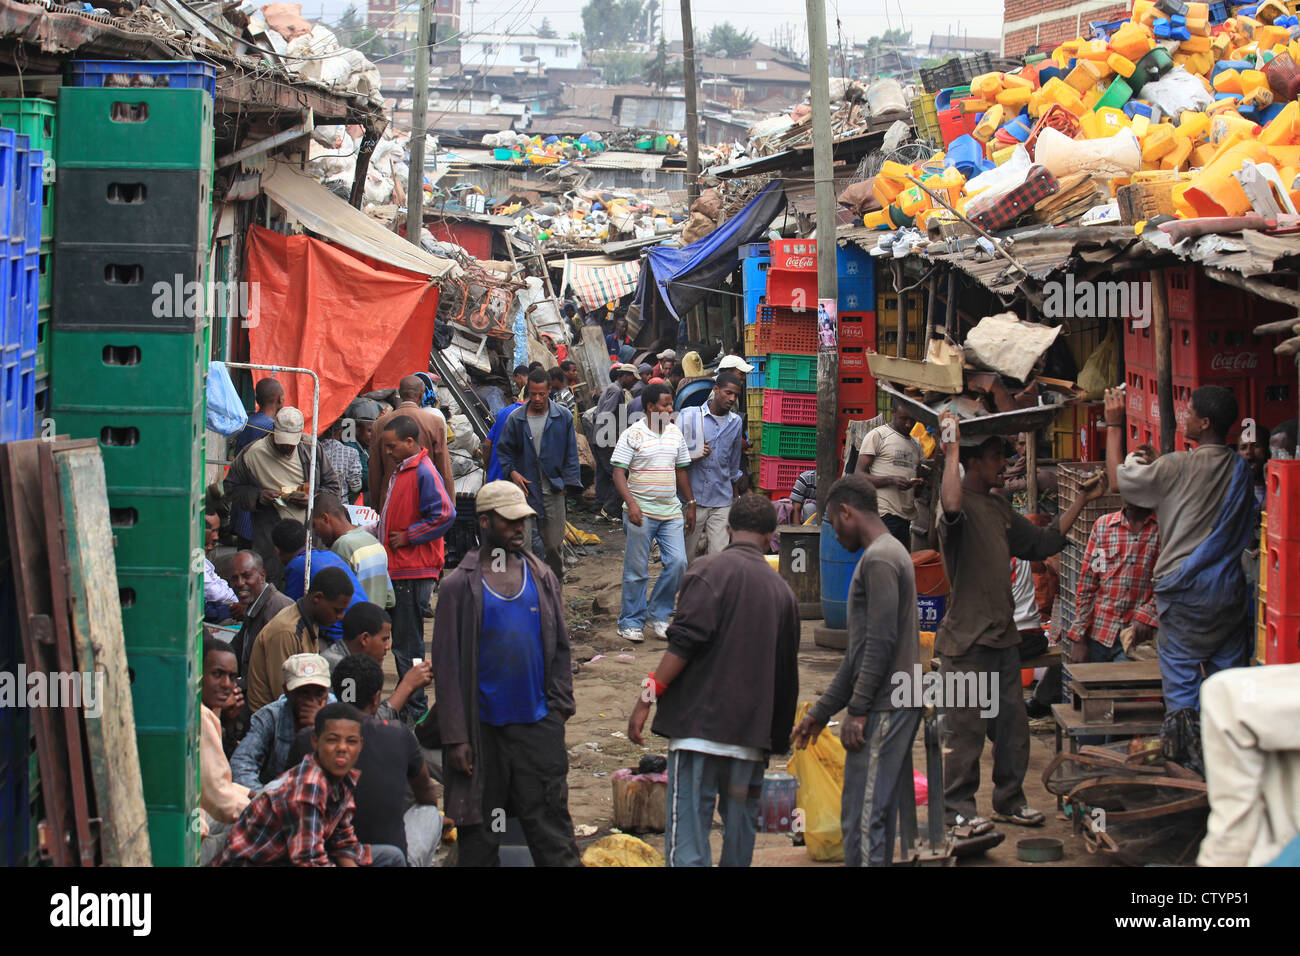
1024,817
965,828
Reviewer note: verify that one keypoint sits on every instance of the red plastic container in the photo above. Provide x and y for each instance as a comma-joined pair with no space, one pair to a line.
853,358
793,289
1214,350
1135,393
1272,401
858,328
1092,435
789,408
857,389
777,475
1282,500
1139,347
1283,558
1281,638
953,123
786,330
1191,295
793,255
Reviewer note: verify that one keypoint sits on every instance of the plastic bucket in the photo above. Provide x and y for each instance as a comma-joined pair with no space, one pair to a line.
837,574
777,803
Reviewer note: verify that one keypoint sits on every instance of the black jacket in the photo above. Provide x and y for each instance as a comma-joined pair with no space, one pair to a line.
737,624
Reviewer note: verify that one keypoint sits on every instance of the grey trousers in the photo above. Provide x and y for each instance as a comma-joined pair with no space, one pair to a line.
873,784
697,783
964,730
550,526
711,524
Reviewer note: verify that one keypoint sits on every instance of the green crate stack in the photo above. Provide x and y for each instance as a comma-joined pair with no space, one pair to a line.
141,393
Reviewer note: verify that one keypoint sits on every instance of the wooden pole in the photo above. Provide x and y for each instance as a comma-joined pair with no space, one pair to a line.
828,359
419,120
692,108
1164,362
1031,470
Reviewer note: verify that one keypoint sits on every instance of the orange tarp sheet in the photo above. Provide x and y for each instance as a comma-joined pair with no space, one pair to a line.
358,325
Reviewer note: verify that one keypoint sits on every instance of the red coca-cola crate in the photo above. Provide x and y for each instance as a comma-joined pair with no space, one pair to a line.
1281,638
1282,500
1139,346
793,255
1283,572
791,289
1135,394
1272,401
789,408
1092,435
1141,432
1213,350
777,475
1183,389
857,389
1190,295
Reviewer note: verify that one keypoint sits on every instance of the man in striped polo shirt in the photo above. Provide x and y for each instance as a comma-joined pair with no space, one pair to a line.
332,524
650,465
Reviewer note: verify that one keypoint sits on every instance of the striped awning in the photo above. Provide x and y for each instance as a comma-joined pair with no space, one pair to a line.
596,285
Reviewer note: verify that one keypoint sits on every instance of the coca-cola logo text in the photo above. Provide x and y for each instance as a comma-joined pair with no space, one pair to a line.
1234,361
797,263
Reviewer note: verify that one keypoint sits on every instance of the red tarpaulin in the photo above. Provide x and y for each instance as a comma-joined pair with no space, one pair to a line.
358,324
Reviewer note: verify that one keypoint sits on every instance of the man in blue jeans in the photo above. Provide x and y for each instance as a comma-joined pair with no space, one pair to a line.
650,465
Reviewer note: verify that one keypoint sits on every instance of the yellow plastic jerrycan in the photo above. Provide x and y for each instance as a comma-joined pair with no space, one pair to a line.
1213,191
989,124
1283,129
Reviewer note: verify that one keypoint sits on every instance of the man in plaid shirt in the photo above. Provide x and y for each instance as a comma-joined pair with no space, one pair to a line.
304,816
1115,585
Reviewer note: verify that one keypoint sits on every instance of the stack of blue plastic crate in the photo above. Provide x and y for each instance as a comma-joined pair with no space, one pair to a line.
21,169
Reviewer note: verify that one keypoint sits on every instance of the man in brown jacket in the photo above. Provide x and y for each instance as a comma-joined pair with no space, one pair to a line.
432,438
295,631
504,691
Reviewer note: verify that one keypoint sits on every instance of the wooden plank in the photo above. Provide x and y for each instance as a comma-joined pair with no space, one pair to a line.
25,521
96,623
1114,672
1072,722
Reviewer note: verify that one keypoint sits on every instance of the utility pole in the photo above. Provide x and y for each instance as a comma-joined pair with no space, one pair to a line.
692,109
828,360
419,120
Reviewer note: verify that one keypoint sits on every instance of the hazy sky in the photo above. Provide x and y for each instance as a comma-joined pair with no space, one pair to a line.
857,20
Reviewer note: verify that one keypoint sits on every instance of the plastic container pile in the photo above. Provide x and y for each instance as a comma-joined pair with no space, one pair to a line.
1195,110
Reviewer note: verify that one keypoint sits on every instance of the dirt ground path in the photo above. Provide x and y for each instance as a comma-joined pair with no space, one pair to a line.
607,685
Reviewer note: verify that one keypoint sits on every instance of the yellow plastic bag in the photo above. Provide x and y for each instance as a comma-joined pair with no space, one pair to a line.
1101,371
820,770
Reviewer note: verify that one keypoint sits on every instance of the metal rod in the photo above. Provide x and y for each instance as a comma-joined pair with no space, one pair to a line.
311,471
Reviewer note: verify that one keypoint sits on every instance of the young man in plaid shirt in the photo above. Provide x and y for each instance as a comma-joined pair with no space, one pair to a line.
1116,585
304,817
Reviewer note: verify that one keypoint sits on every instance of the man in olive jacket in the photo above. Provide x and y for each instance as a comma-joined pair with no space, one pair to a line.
504,690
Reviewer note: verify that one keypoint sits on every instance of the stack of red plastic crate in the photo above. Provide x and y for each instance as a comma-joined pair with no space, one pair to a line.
1280,572
1212,343
857,392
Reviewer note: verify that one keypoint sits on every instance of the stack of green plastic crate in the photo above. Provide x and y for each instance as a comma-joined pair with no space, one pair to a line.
129,370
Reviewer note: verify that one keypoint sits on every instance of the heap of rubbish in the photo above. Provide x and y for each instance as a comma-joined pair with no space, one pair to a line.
1180,111
509,146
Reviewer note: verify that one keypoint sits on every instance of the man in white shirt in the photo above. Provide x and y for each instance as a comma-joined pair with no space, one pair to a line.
889,458
650,465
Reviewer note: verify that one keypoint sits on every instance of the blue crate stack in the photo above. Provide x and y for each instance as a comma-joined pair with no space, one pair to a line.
22,218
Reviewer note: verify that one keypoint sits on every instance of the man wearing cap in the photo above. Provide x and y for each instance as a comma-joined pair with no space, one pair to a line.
269,395
295,631
645,371
667,361
610,420
539,453
504,690
432,438
715,439
269,479
362,413
979,534
650,470
263,754
418,511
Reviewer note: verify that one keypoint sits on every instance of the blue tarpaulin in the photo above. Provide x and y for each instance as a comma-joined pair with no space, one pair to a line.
685,276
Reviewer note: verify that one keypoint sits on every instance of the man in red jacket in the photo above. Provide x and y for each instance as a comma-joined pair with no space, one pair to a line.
418,511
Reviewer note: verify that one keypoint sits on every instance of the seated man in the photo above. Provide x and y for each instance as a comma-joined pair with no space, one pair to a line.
368,630
305,817
290,540
220,603
263,754
221,799
1115,588
390,760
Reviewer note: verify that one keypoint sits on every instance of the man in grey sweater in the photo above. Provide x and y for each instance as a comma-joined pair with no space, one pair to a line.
884,646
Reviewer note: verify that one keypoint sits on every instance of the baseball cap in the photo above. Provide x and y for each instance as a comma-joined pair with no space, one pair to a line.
644,367
303,669
505,498
288,426
736,362
667,353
